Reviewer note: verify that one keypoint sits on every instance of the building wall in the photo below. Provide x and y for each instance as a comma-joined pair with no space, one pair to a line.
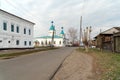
8,38
117,44
58,42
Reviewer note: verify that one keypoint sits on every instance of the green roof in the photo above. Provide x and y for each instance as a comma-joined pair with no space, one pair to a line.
62,32
45,37
52,27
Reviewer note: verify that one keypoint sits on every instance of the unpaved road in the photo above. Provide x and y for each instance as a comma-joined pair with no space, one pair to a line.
38,66
78,66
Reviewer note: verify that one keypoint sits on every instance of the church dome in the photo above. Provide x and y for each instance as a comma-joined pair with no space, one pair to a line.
52,27
62,31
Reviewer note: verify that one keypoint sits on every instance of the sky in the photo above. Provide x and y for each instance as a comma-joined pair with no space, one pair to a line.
99,14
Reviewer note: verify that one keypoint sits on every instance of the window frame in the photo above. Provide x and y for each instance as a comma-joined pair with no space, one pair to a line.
24,30
25,43
5,26
17,42
29,31
17,29
60,42
12,27
30,43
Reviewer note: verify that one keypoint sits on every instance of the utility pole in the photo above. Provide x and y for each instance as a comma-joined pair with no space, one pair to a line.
53,35
80,31
90,30
0,4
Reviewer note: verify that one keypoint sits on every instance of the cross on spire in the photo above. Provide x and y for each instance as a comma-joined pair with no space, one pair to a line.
52,22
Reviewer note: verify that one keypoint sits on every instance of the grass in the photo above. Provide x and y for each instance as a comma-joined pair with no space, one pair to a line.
30,51
108,64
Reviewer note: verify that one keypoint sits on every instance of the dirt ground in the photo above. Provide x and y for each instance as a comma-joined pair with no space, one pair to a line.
77,66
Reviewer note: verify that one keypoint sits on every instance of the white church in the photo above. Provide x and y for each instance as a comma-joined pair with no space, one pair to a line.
15,32
52,38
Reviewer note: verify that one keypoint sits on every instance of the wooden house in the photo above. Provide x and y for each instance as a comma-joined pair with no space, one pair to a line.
116,40
105,39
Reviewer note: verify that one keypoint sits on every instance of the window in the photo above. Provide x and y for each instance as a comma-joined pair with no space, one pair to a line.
17,42
4,26
42,43
59,42
49,42
24,30
46,42
17,29
8,41
54,42
29,32
29,43
25,43
12,28
0,41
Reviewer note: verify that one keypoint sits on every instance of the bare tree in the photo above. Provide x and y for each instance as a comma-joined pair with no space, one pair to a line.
86,38
72,34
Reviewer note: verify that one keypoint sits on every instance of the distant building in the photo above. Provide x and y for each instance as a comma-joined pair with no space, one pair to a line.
51,39
15,32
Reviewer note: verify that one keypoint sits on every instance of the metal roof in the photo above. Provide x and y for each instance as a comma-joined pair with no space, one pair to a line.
46,37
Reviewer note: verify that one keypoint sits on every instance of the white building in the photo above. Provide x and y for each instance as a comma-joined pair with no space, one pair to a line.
15,32
56,40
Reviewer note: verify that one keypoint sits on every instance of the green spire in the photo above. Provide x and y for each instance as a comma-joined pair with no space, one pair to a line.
52,27
62,31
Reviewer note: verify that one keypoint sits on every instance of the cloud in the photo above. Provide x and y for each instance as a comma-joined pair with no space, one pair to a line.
102,14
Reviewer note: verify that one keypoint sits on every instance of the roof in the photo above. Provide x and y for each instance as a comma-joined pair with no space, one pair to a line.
111,30
52,27
46,37
16,16
118,28
62,32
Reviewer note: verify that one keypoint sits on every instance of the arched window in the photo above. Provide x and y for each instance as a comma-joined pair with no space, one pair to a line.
42,43
49,42
46,42
36,43
59,42
54,42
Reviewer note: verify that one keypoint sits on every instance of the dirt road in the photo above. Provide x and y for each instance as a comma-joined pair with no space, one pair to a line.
78,66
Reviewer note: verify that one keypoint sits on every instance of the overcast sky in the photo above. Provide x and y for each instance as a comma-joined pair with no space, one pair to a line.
100,14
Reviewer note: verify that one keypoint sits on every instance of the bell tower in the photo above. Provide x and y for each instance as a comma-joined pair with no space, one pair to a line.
52,29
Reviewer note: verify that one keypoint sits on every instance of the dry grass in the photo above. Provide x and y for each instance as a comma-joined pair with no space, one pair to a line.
106,64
